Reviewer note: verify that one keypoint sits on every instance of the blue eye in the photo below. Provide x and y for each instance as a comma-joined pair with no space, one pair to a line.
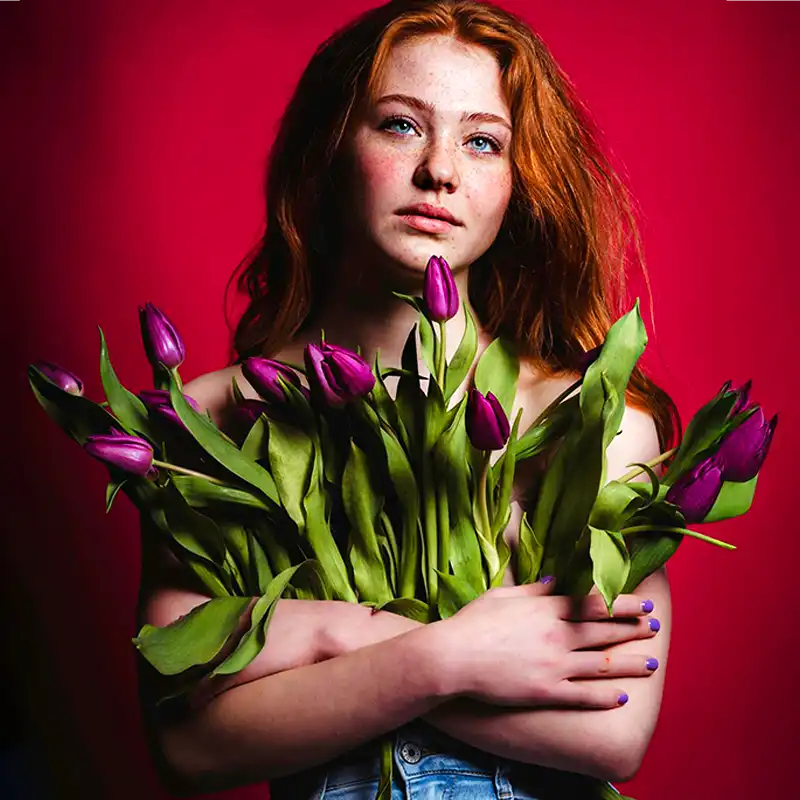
487,140
397,121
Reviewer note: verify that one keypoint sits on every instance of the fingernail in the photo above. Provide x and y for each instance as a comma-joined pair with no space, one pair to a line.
651,663
622,699
546,579
655,625
647,606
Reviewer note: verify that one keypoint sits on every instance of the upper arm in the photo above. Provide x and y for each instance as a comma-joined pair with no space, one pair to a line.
637,719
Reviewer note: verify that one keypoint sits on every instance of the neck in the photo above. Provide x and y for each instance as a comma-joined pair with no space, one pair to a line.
363,312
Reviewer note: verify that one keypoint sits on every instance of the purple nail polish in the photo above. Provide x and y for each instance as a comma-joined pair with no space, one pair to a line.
546,579
651,663
647,606
622,699
655,625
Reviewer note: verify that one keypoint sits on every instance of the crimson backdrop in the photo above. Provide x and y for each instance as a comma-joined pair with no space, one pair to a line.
135,137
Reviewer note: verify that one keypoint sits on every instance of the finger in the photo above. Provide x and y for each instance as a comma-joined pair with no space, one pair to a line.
593,607
600,634
589,694
608,665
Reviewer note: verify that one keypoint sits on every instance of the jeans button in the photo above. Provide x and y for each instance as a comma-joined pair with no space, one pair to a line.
410,753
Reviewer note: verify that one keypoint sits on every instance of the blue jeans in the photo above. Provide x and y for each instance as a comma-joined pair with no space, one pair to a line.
430,765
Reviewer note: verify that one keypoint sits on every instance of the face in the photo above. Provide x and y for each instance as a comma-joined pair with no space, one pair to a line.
439,136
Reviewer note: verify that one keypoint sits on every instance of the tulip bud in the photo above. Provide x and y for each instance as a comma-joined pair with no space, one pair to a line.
743,450
118,449
62,378
262,374
487,423
340,374
741,404
158,400
162,342
440,292
588,358
696,491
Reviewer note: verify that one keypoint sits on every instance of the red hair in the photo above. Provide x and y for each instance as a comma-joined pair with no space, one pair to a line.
553,281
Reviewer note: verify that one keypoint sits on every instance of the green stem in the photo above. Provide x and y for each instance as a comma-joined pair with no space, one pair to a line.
670,529
440,366
638,470
443,514
185,471
431,534
485,534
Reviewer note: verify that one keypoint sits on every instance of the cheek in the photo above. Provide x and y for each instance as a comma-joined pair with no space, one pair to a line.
381,175
488,195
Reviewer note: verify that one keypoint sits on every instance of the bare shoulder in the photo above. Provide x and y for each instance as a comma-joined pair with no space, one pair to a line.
213,391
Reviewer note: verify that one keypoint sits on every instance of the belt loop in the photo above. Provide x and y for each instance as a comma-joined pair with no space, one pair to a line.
502,784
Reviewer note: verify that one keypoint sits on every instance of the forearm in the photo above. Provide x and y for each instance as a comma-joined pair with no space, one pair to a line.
572,740
302,717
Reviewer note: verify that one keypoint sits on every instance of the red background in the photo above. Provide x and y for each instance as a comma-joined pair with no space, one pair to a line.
135,135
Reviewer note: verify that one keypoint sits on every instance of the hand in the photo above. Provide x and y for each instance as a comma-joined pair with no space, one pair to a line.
521,645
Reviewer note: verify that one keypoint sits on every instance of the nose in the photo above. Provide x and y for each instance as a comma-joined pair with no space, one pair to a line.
437,169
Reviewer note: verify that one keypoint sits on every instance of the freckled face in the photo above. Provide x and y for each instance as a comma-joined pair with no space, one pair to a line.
439,134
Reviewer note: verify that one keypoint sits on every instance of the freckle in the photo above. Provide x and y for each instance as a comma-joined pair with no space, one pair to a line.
608,660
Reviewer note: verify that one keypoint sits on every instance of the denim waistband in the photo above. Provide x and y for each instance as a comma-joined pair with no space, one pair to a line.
421,750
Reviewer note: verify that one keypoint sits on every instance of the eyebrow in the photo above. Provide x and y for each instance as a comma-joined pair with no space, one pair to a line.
423,105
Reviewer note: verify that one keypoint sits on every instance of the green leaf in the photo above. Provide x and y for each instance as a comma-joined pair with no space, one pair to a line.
320,537
409,396
539,437
127,407
192,530
291,454
613,504
112,490
238,395
386,408
385,784
498,371
733,500
260,572
254,445
362,506
427,342
193,639
199,492
435,415
76,415
611,563
454,594
220,447
409,607
703,430
530,552
252,642
505,484
458,368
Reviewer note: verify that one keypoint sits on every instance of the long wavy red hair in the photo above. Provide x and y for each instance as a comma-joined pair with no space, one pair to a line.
553,281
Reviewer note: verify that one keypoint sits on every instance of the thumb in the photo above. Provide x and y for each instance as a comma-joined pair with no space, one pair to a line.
544,585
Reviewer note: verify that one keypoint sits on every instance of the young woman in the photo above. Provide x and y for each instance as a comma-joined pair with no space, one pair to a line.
432,127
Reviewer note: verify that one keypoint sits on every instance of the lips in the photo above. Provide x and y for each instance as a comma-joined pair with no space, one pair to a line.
430,211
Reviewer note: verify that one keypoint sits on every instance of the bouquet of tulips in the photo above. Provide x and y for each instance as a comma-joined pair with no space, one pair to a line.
335,488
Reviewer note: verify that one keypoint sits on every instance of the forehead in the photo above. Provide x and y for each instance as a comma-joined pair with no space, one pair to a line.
452,75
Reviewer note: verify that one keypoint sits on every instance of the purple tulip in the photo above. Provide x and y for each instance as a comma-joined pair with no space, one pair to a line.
487,423
162,342
61,377
741,404
158,400
118,449
585,360
696,491
262,374
340,374
440,292
743,450
248,411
